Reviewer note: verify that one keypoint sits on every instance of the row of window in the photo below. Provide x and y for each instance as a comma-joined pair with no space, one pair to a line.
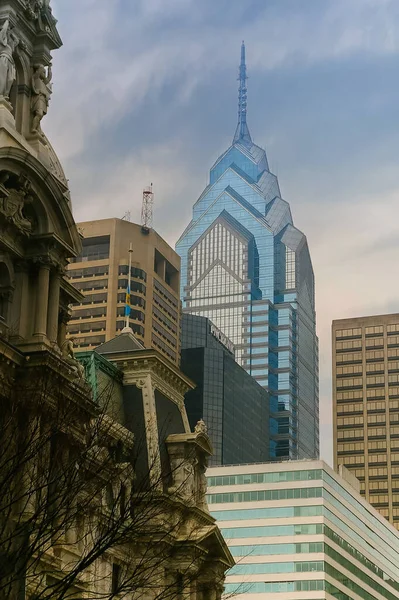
135,286
84,327
372,330
370,380
137,329
277,567
166,307
89,313
279,512
134,272
94,284
94,340
371,355
164,333
164,319
374,367
166,294
164,347
279,476
234,533
88,272
261,495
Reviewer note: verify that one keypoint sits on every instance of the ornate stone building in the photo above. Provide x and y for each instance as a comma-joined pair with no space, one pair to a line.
102,487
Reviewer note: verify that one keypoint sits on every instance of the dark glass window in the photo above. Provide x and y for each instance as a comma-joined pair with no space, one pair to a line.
94,248
134,272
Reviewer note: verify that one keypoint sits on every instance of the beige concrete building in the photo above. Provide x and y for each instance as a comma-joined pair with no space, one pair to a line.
101,271
366,406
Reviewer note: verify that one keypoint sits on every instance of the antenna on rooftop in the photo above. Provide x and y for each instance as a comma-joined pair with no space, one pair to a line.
127,216
147,210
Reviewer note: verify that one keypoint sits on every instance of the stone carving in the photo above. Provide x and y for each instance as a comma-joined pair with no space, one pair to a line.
202,486
8,43
35,9
69,358
183,474
200,427
41,93
12,202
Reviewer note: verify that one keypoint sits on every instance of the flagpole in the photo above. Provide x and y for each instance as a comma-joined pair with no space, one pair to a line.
128,286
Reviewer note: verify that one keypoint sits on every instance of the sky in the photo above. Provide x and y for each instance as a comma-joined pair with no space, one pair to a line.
146,91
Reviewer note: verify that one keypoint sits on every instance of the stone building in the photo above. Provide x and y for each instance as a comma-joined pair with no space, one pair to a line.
95,500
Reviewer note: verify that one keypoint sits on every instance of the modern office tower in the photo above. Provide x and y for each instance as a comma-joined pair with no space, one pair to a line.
233,405
101,273
247,268
299,531
366,406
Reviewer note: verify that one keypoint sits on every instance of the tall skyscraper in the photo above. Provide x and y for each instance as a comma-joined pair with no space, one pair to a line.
101,273
366,406
246,267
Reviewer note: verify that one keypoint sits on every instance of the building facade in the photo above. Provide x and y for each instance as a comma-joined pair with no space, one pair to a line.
245,266
366,406
232,404
298,531
85,510
101,274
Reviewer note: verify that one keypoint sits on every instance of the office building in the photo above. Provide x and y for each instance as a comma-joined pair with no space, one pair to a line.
246,267
366,406
299,531
233,405
101,271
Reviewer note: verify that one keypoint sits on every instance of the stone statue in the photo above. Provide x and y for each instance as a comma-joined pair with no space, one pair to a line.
68,356
200,427
13,201
8,43
41,92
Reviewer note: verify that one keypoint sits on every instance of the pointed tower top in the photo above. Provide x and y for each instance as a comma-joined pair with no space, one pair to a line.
242,132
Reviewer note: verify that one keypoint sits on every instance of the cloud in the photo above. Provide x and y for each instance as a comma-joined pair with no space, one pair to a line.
145,90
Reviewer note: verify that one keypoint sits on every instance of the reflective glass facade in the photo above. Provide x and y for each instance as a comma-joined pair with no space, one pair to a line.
290,540
247,268
232,404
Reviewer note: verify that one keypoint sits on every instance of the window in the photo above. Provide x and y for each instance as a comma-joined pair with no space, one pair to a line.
376,330
348,333
116,578
94,248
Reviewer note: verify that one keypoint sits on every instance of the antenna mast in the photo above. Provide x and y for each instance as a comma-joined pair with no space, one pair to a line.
147,209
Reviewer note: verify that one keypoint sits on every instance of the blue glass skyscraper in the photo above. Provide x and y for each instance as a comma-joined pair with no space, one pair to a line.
247,268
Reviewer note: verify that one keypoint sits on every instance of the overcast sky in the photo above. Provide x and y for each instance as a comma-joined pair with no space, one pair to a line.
146,91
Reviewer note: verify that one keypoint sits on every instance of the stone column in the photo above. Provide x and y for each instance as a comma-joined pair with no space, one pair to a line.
151,427
42,293
62,326
24,312
53,307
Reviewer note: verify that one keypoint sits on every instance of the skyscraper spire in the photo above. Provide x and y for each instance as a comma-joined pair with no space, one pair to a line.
242,132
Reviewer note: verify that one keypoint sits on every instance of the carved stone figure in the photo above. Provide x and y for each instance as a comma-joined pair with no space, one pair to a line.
8,43
68,356
12,202
200,427
41,93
